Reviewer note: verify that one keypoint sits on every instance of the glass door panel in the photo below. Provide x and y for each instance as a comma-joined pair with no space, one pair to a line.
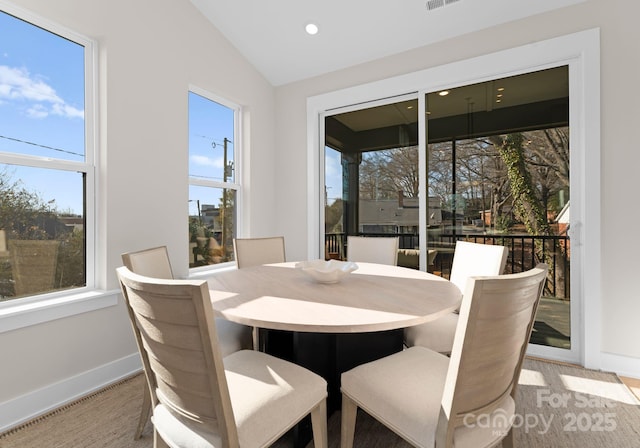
371,177
498,173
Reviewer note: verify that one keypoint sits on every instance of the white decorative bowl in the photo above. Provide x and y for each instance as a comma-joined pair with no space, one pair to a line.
331,271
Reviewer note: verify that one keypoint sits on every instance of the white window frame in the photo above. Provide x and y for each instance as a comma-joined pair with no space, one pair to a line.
581,52
236,185
32,310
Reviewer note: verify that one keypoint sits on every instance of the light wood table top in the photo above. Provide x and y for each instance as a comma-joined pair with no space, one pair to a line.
373,298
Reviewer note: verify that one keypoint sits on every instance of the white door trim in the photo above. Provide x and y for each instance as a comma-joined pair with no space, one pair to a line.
581,51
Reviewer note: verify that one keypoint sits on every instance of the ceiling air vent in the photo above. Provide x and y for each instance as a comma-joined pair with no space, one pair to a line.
433,4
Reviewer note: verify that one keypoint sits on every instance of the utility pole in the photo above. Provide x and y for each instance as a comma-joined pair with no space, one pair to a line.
224,201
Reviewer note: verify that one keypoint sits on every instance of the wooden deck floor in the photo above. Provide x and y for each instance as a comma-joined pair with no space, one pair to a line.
553,324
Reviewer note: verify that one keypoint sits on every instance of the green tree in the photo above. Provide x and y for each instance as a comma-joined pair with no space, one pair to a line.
526,197
528,207
24,215
333,217
385,172
71,272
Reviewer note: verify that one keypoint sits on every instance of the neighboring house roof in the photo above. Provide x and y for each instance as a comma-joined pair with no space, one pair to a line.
386,212
564,215
389,212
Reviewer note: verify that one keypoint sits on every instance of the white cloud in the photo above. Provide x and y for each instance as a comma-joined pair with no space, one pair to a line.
18,84
207,161
37,111
66,110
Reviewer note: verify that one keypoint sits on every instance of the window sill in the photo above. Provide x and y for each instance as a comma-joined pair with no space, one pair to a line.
20,313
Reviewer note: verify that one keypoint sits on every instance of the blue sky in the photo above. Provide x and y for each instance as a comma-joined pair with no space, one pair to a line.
41,88
42,114
333,175
210,123
42,107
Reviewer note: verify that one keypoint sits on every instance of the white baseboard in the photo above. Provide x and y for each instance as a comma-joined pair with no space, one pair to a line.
607,362
29,406
38,402
620,364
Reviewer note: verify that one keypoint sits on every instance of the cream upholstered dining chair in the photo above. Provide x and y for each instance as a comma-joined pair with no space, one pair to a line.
154,262
382,250
469,259
467,400
256,251
199,398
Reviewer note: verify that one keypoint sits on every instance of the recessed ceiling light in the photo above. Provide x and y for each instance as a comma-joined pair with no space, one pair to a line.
500,89
443,93
311,28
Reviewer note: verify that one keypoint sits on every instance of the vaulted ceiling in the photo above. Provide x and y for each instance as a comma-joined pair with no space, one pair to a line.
271,34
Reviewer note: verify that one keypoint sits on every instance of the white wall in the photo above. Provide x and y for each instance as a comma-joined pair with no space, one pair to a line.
151,51
620,70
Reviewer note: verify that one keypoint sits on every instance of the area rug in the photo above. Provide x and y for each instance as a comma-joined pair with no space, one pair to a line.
557,406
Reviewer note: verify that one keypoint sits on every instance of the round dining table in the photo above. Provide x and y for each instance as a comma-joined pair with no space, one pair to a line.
330,328
373,298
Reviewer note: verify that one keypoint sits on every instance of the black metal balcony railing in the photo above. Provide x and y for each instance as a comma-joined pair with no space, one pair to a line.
525,251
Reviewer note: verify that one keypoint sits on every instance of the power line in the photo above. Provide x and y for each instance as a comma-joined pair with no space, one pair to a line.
214,143
41,146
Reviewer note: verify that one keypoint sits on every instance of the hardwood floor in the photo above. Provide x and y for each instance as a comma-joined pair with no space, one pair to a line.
632,383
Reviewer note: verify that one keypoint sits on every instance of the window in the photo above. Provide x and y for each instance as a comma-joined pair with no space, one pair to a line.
213,187
46,158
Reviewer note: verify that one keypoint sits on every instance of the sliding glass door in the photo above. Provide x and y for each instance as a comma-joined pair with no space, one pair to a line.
494,169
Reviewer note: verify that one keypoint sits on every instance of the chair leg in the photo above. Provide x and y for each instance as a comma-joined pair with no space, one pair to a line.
144,413
319,425
255,335
508,442
348,423
158,442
